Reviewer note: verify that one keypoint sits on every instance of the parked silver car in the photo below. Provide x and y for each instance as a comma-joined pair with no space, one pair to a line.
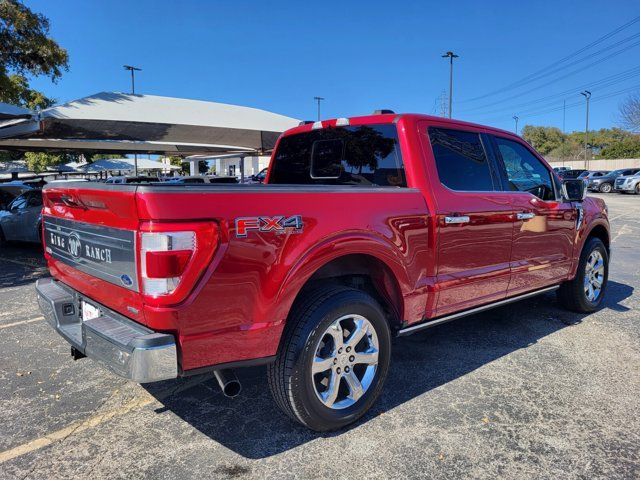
628,184
9,191
21,221
606,183
593,174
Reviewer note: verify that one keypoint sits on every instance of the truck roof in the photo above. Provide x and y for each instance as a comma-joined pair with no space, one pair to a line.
388,118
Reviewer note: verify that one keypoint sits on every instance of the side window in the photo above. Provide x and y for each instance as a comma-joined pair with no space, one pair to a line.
19,203
461,160
35,199
525,172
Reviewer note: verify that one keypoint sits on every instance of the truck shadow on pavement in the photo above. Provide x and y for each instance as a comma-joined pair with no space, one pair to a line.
21,264
252,426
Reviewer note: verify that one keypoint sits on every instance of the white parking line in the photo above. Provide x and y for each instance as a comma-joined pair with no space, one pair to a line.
620,216
77,427
623,231
94,421
21,322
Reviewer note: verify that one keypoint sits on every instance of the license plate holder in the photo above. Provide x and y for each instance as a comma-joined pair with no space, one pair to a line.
88,311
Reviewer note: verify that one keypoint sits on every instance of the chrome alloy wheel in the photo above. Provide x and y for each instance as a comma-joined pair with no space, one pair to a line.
345,361
594,276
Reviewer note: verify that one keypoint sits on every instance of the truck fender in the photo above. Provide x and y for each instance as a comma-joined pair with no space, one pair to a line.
346,243
597,226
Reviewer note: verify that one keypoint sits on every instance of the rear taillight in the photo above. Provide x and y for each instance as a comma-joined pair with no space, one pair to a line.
173,257
164,257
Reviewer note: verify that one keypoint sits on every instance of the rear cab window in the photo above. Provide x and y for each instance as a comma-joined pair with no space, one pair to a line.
367,155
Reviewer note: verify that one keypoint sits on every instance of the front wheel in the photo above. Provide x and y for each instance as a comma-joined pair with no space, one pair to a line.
606,188
585,292
333,360
638,188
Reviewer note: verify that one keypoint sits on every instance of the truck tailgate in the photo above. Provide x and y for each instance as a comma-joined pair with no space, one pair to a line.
105,252
90,242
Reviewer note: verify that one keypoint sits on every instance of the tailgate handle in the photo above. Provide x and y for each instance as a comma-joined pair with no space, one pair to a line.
70,202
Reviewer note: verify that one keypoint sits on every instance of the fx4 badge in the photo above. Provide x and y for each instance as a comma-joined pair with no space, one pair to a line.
278,224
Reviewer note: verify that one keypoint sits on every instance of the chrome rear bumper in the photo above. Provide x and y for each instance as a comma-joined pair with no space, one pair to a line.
125,347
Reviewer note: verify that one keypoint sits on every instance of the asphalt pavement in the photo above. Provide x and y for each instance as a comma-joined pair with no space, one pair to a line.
525,391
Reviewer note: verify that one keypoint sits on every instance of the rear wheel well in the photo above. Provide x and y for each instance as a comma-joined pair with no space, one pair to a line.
363,272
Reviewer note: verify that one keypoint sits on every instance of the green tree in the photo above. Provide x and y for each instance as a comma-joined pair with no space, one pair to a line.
175,160
92,157
39,161
543,139
568,150
629,147
26,49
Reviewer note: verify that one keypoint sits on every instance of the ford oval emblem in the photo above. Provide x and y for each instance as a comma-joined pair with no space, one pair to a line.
126,280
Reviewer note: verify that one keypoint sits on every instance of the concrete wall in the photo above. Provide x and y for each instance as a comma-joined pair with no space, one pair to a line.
602,164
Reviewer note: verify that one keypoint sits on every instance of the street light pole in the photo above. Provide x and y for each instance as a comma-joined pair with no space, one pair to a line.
587,96
318,99
451,56
133,69
515,117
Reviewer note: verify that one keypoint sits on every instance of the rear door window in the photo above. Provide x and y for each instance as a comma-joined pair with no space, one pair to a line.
461,160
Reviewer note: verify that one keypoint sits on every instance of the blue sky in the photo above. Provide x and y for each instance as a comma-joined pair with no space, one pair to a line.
360,56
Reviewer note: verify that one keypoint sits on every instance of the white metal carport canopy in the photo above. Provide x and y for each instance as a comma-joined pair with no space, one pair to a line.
120,122
124,165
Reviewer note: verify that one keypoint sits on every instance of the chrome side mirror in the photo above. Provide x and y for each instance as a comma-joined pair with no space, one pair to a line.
574,189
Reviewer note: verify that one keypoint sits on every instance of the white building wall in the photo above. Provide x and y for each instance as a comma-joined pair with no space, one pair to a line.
599,164
231,165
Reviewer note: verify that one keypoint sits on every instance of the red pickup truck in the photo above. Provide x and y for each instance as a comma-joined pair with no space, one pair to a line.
366,228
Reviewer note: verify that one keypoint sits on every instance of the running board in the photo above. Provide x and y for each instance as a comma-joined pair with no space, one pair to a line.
455,316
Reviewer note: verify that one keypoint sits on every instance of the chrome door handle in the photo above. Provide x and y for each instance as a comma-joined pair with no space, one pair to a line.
525,215
461,219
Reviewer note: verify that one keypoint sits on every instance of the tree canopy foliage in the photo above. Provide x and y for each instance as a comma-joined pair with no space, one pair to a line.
39,161
26,49
604,143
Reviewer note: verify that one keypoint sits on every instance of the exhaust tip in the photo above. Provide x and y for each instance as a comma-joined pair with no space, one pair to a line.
232,389
229,383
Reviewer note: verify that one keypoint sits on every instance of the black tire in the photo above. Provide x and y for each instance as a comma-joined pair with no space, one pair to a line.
605,188
638,188
3,239
572,294
290,379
